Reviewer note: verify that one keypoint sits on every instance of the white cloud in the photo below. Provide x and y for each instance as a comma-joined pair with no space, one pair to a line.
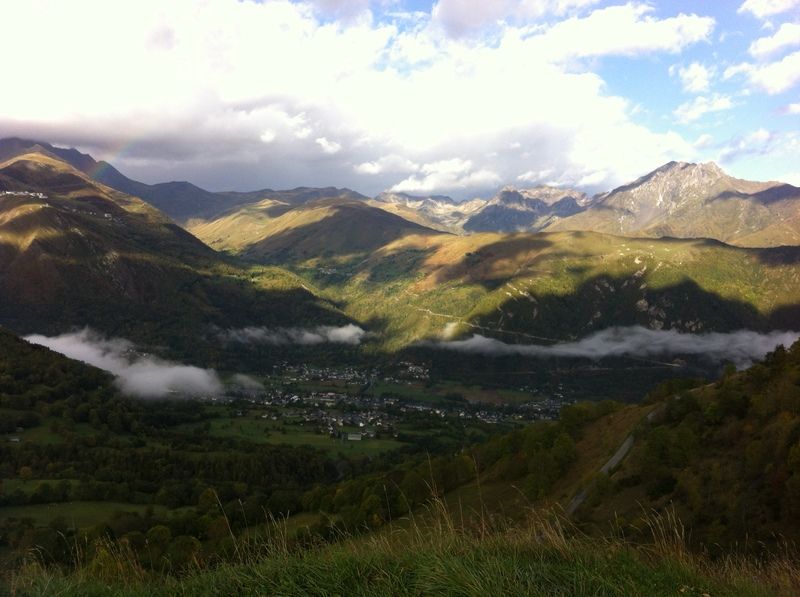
270,94
787,36
793,178
626,30
703,141
136,374
702,105
447,175
328,146
768,8
536,176
741,348
348,334
388,163
774,77
792,108
694,78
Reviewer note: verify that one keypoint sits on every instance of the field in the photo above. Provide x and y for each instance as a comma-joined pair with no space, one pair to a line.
257,430
76,514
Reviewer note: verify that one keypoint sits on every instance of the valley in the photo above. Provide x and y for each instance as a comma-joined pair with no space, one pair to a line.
364,361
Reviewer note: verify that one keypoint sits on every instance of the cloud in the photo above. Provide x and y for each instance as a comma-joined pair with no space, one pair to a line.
694,78
741,348
463,17
348,334
625,30
787,36
342,9
138,375
768,8
447,175
246,382
772,77
389,163
759,142
702,105
328,146
281,94
703,141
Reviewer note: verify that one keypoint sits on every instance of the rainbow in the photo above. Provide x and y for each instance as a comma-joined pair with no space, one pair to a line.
117,151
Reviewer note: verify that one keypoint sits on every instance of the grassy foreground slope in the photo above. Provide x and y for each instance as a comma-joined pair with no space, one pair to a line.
536,560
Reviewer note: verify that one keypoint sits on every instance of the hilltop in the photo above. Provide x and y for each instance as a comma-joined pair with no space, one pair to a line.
277,230
687,200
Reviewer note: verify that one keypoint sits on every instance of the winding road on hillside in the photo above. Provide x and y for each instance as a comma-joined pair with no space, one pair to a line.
612,463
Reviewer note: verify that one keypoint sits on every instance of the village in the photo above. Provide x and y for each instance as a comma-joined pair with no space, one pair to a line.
353,405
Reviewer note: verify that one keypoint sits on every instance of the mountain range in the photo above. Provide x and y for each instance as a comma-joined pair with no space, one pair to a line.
75,251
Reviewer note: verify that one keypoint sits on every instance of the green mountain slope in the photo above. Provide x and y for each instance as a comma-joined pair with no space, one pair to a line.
285,230
725,457
75,253
560,286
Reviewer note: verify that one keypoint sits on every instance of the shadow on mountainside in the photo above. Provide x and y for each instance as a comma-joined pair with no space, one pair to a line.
604,301
775,194
348,228
779,256
495,263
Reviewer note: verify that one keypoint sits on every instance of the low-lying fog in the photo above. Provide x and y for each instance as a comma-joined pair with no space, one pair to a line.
742,347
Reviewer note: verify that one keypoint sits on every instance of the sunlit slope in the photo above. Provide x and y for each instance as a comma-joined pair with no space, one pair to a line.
696,201
276,231
563,285
82,254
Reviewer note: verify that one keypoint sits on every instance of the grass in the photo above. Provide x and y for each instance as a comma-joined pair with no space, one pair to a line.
542,556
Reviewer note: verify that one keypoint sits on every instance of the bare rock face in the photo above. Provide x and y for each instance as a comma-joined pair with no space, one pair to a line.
687,200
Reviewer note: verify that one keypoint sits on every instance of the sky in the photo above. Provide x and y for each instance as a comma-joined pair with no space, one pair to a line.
459,97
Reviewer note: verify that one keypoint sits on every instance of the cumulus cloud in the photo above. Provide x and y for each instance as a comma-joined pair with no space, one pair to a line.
767,8
702,105
625,30
348,334
138,375
447,175
328,146
788,35
280,94
695,78
741,348
773,77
